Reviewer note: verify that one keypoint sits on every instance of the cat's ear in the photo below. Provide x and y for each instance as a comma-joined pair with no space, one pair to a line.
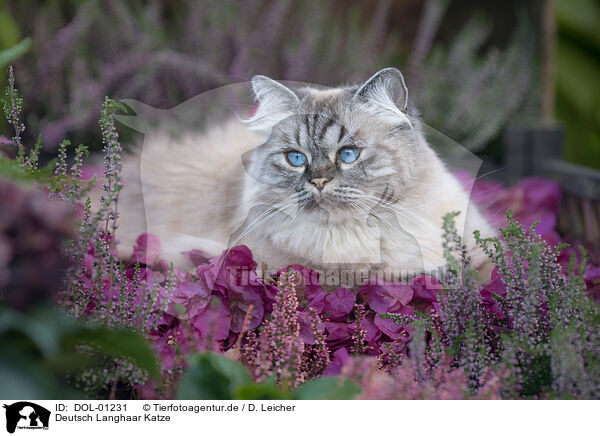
271,93
275,103
385,87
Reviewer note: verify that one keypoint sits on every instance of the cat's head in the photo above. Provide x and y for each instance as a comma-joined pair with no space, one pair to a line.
339,150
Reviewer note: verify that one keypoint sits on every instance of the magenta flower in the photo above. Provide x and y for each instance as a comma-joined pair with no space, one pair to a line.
592,280
592,274
496,285
214,322
146,249
231,268
338,359
389,327
240,299
386,297
198,257
167,335
337,331
426,288
192,296
339,303
373,332
306,321
239,256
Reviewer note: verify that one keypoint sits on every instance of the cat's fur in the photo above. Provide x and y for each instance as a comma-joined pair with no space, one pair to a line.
233,184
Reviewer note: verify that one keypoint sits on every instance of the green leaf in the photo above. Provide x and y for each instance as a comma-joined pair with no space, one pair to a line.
328,388
10,169
15,52
212,377
266,390
120,343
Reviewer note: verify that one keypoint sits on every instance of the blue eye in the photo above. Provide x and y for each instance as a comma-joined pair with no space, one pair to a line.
295,158
349,154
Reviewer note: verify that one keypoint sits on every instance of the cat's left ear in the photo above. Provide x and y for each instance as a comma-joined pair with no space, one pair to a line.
385,87
275,103
271,93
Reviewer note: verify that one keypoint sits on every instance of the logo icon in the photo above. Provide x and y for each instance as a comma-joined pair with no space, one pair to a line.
26,415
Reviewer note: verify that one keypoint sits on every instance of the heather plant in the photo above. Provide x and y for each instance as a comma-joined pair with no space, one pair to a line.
534,319
554,329
466,91
467,325
153,52
67,184
12,104
32,267
404,382
279,349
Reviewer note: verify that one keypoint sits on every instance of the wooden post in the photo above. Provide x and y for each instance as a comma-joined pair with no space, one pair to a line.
547,68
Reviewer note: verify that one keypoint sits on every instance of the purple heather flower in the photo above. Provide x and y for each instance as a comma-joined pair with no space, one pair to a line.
373,333
310,290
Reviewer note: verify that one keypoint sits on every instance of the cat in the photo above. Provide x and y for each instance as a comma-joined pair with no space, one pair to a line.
316,176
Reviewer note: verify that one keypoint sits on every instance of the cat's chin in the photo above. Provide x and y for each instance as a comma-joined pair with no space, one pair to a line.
329,213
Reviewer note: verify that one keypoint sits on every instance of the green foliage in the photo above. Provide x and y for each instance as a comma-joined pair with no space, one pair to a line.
15,52
12,47
212,376
327,388
577,71
40,352
12,170
470,92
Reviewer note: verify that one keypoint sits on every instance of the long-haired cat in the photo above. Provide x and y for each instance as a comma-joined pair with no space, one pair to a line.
316,176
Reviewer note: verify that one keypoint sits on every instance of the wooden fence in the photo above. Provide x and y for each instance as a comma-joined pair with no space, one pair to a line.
538,152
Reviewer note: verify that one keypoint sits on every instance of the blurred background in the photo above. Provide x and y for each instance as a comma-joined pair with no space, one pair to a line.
516,81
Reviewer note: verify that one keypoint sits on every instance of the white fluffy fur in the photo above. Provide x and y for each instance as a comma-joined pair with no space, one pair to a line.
194,192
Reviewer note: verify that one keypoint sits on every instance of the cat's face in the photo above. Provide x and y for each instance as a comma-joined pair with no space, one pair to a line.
334,152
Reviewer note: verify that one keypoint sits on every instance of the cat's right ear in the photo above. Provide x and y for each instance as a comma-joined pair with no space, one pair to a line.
275,103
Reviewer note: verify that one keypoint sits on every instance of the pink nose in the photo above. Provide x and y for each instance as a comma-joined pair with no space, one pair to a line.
319,183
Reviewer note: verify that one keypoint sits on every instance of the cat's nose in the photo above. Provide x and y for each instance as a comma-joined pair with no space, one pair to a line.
319,183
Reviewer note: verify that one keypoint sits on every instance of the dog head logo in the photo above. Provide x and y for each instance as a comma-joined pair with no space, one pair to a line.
26,415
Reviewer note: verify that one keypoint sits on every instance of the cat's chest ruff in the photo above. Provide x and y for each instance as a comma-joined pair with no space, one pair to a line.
330,243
